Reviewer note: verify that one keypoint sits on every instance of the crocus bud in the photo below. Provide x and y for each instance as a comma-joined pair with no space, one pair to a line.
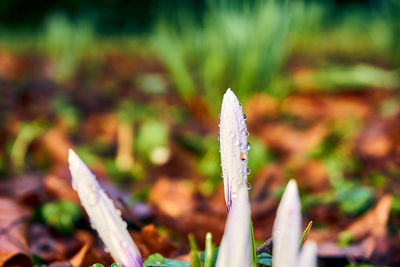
287,227
233,146
104,217
308,255
235,247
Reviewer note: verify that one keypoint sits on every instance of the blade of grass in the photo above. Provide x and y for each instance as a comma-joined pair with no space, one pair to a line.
305,233
194,251
253,247
209,251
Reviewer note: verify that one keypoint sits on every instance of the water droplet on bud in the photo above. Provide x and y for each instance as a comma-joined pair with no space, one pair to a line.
248,146
244,116
248,171
249,186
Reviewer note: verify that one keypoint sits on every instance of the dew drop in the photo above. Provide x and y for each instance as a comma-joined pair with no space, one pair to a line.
219,115
106,250
218,138
248,171
248,146
249,186
244,116
247,133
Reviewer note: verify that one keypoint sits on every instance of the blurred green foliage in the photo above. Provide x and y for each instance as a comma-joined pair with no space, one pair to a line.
240,47
27,133
152,141
61,215
68,44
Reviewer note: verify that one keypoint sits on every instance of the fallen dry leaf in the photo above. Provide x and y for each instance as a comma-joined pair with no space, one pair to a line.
370,234
172,197
373,222
56,144
155,243
14,250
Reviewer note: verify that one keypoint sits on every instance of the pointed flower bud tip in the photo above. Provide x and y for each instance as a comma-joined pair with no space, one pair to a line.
104,217
308,255
233,146
287,227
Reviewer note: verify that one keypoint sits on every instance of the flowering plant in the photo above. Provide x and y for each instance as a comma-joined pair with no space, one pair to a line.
237,248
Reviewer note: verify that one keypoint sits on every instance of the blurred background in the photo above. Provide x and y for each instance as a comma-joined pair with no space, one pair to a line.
135,88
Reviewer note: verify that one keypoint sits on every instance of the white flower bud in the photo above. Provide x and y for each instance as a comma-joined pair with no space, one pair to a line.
308,255
287,227
104,217
233,146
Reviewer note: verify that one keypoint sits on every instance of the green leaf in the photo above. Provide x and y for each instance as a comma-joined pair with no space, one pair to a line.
305,233
37,260
97,265
153,136
208,251
156,260
214,259
253,246
175,263
264,259
114,264
61,215
345,239
194,251
353,198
